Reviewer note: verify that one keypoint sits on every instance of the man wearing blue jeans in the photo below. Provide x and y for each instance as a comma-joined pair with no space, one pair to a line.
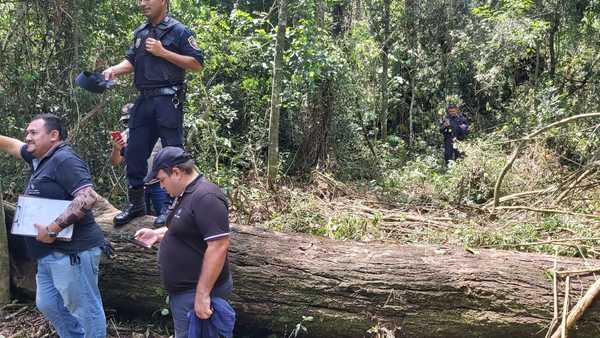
67,271
193,246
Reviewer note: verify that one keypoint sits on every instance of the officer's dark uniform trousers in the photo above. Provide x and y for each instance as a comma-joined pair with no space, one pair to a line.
453,131
152,116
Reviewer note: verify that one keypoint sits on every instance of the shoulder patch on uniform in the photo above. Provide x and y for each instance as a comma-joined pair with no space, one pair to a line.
139,28
192,42
137,42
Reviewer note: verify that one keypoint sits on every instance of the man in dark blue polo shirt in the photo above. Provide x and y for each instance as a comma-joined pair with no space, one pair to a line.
162,50
67,271
193,246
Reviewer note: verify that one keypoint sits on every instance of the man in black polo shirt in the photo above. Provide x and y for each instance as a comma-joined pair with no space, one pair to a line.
193,246
67,272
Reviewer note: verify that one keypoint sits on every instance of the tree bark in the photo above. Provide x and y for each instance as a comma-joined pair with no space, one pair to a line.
314,149
315,122
273,153
350,287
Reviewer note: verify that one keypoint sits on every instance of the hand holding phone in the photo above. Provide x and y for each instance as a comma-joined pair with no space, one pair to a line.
117,136
140,243
145,237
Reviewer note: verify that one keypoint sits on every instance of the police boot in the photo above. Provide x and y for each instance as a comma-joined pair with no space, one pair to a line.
161,219
136,207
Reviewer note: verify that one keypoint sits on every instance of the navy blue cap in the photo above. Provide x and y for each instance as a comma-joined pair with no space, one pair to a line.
93,82
452,105
167,157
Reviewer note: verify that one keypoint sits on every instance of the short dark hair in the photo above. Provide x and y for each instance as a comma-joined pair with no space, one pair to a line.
187,167
52,122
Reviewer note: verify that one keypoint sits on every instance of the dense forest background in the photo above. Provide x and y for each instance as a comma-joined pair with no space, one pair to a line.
364,86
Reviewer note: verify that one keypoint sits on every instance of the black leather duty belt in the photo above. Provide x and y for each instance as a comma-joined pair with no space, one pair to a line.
160,91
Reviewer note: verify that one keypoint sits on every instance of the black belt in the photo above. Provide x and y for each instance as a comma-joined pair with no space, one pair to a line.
160,91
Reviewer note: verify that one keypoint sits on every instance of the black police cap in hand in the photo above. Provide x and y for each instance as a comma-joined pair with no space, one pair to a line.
93,82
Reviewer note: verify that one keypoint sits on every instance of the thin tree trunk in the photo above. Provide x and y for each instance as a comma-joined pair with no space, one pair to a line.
410,9
552,42
411,110
273,156
385,66
320,13
4,260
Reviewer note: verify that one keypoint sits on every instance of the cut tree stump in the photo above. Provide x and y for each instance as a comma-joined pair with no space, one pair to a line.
350,287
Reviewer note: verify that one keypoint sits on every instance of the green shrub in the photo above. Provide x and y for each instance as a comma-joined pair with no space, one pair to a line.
471,179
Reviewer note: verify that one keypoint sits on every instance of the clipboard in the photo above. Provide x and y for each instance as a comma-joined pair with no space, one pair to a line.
31,210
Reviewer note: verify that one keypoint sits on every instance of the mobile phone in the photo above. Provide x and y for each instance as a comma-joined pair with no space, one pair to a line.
140,243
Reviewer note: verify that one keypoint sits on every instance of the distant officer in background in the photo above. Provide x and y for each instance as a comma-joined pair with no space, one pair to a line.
163,49
454,125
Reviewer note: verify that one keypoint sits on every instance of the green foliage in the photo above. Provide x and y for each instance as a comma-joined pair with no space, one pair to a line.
471,180
510,236
513,66
304,216
307,214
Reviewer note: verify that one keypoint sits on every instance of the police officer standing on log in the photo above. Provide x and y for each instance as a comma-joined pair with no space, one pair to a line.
163,49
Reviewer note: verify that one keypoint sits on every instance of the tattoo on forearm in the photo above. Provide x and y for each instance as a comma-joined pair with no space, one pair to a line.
84,201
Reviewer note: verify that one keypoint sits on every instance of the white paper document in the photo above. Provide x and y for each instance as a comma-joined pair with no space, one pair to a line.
31,210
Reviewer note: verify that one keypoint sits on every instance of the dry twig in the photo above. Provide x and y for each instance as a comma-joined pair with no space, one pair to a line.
582,272
12,315
555,297
548,211
522,144
564,241
580,307
563,326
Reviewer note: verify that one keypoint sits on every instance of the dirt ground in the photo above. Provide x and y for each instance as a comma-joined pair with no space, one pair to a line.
22,320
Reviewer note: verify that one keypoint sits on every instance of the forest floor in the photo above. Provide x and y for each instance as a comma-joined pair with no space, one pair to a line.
337,210
22,320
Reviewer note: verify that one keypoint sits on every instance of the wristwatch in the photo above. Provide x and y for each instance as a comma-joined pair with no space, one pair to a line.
51,234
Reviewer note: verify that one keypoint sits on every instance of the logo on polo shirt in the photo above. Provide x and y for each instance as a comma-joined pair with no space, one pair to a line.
32,190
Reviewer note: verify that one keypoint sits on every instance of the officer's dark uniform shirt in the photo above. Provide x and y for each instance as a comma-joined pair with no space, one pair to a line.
200,215
454,129
155,72
59,175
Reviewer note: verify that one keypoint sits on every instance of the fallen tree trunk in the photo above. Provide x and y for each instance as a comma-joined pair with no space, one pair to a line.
350,287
